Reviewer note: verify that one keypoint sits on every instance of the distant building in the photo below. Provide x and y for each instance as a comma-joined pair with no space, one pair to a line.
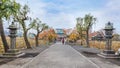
60,34
68,31
94,35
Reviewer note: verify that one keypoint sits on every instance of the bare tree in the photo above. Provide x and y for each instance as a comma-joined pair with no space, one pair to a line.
88,22
39,27
22,17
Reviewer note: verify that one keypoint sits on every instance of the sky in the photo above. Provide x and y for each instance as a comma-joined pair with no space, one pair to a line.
63,13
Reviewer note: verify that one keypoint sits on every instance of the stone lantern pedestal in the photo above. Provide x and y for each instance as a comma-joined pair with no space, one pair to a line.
108,52
13,52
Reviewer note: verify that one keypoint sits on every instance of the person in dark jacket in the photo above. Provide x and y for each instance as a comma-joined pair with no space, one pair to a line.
63,40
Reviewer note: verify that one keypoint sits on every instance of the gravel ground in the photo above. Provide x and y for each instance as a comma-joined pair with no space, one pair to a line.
18,62
91,53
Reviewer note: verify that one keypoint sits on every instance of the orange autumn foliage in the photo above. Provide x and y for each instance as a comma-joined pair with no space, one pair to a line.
73,36
49,35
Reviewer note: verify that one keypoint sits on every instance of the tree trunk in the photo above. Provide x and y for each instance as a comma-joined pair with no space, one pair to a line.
36,38
26,40
87,38
4,41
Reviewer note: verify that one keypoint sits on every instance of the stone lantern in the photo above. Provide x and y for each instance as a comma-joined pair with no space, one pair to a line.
108,36
13,52
108,52
13,31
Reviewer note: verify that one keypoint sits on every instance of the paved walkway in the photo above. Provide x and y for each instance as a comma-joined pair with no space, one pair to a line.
60,56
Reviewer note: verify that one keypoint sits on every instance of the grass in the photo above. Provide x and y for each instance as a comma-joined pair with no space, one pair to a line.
101,44
20,43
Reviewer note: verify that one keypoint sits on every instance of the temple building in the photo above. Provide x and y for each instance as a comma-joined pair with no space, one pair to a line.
60,34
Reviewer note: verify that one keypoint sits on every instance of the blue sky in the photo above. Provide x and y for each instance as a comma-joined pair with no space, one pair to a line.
63,13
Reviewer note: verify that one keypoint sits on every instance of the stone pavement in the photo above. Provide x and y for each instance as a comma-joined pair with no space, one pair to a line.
60,56
91,54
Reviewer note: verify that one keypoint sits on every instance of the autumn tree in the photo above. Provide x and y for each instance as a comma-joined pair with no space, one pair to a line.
73,37
48,35
51,35
22,18
8,8
39,27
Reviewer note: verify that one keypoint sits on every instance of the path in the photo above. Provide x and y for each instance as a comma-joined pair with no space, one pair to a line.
60,56
91,54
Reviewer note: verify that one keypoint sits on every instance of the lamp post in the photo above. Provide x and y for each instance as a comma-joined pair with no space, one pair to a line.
108,52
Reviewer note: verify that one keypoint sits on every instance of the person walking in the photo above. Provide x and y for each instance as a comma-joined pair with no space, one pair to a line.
63,40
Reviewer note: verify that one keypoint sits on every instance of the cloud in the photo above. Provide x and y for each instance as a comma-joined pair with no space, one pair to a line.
63,13
61,20
113,5
36,7
113,14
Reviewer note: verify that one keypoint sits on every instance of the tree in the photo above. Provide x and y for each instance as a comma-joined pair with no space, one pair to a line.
87,23
73,37
48,35
80,28
51,35
39,27
22,17
8,8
